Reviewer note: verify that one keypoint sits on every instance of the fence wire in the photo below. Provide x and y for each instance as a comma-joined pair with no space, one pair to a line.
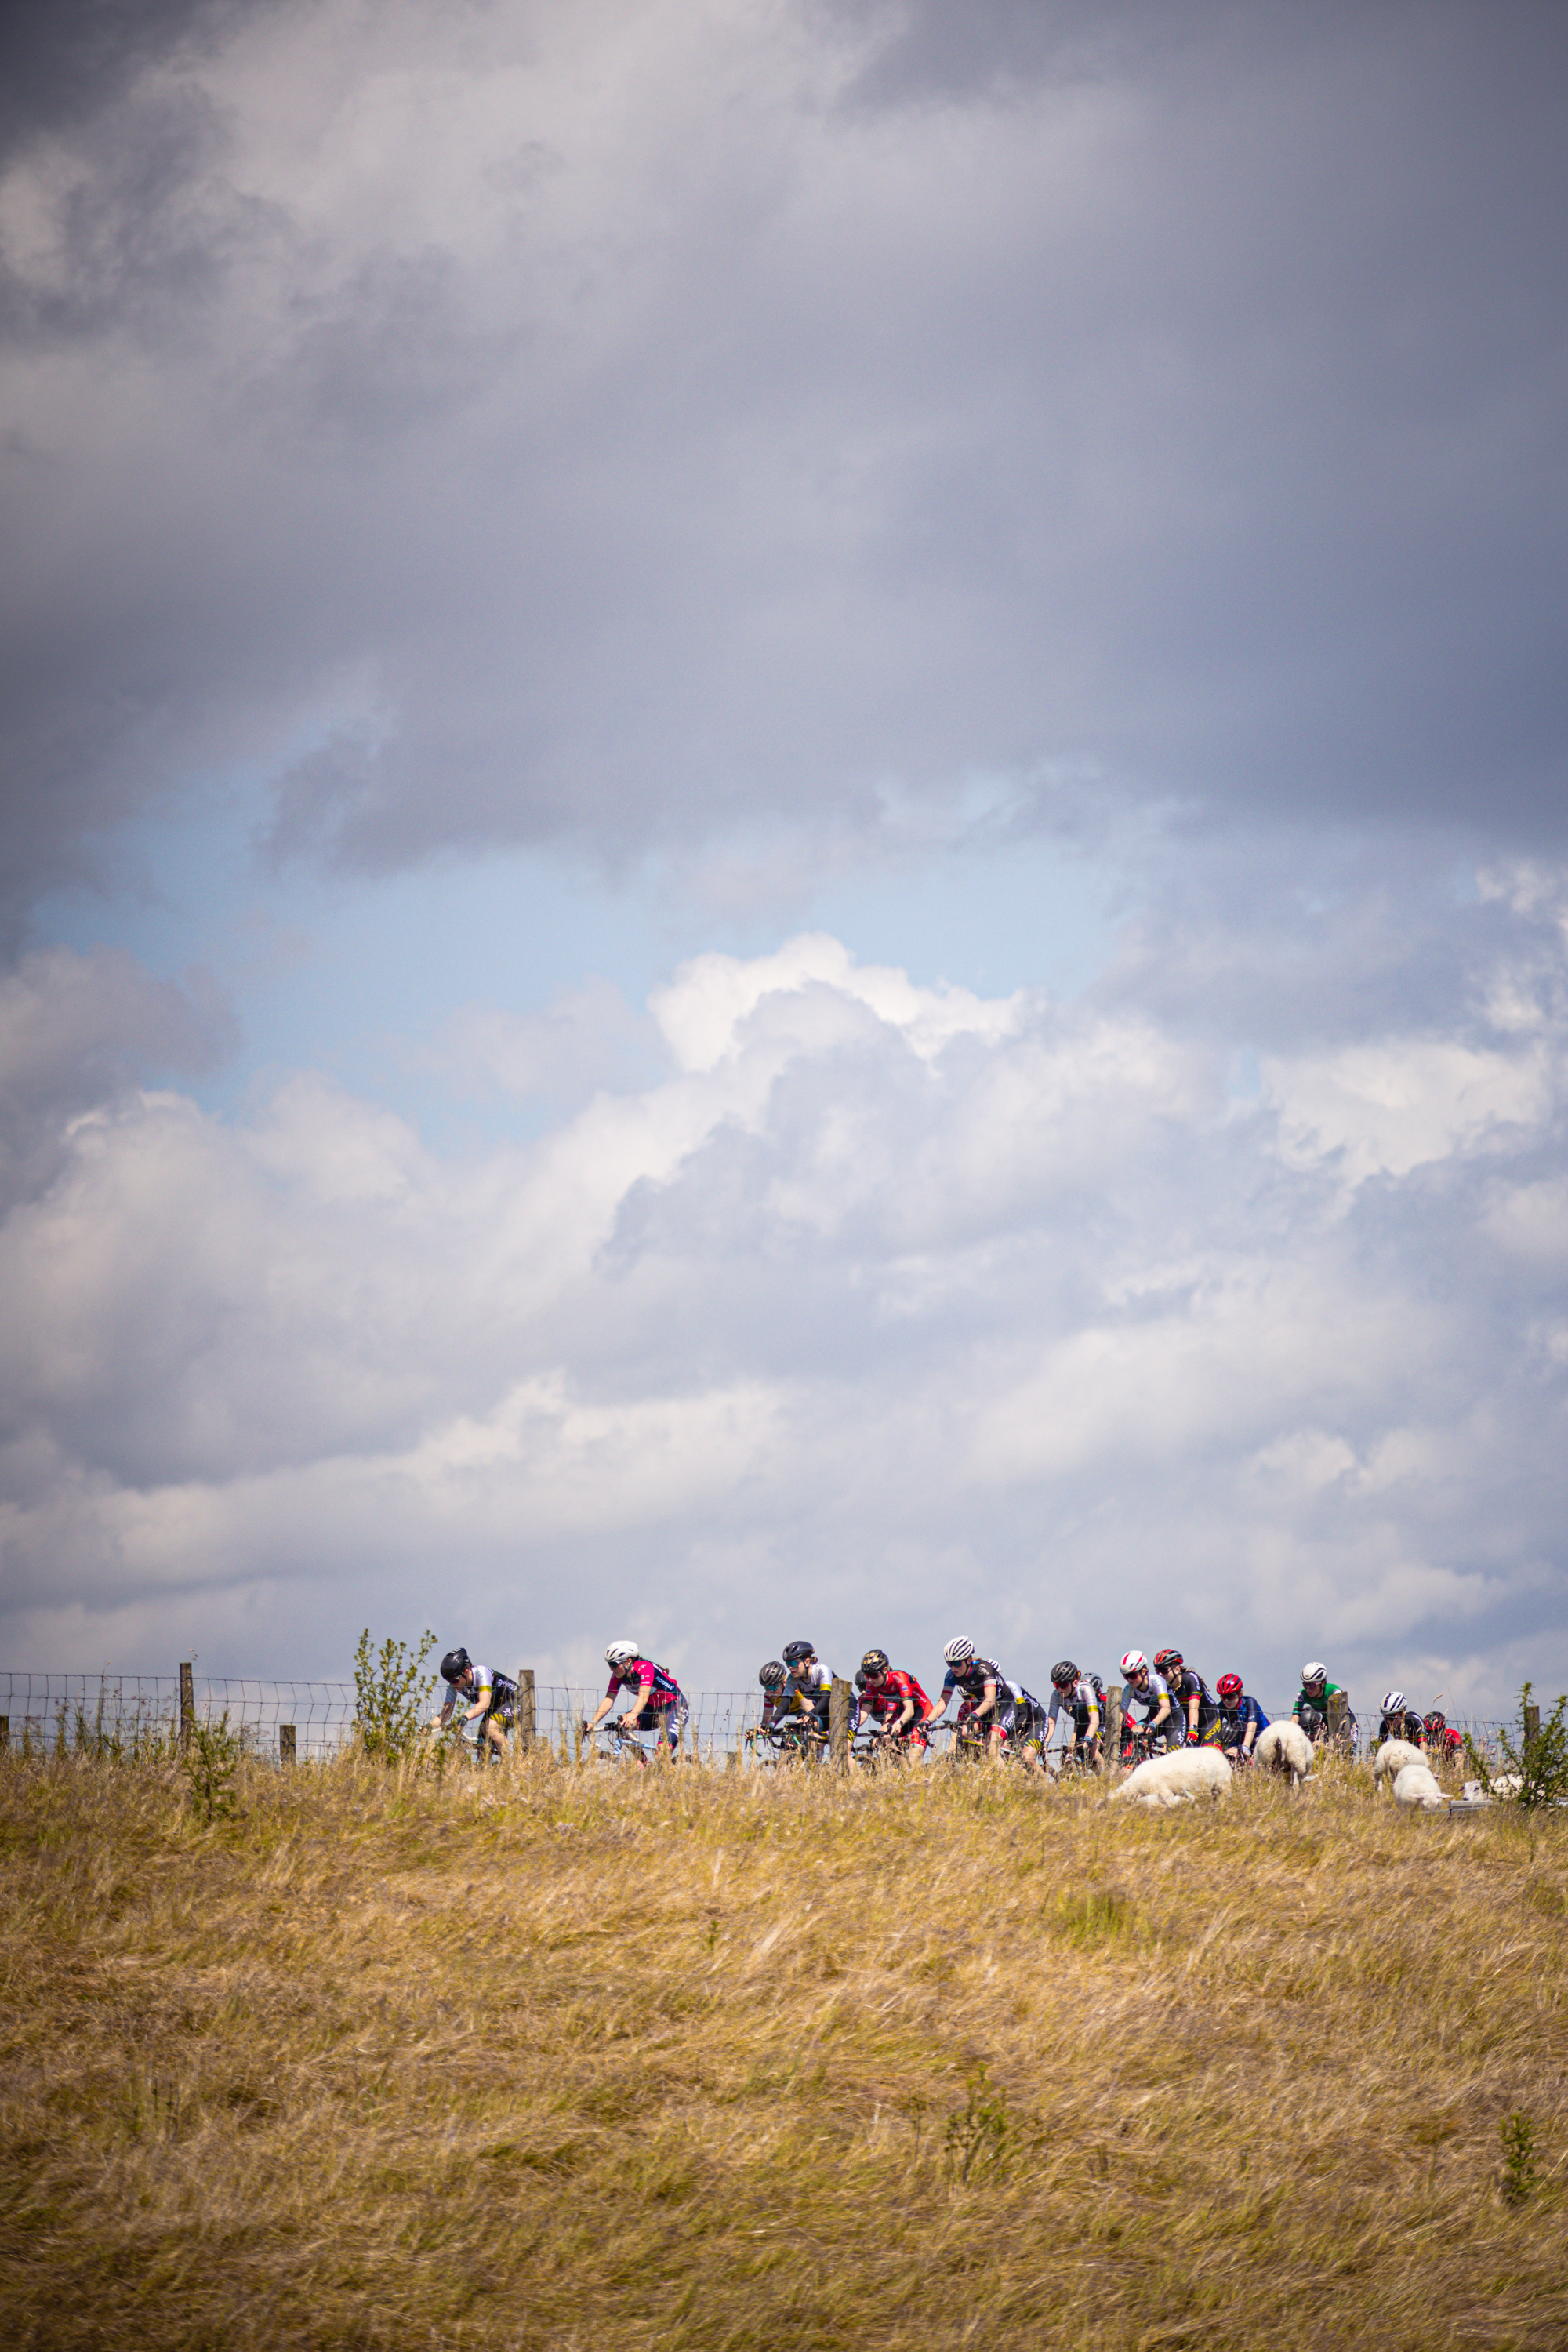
125,1715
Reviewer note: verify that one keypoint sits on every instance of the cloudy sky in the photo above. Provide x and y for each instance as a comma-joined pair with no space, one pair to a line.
786,834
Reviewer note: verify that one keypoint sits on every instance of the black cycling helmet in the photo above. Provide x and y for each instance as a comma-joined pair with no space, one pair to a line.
1435,1721
771,1675
1064,1673
875,1662
861,1678
1166,1661
795,1651
453,1665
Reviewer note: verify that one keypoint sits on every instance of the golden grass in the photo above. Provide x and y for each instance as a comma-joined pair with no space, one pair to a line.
694,2058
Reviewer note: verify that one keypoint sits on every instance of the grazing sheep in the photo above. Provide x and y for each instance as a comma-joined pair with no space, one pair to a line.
1416,1784
1285,1747
1391,1760
1175,1779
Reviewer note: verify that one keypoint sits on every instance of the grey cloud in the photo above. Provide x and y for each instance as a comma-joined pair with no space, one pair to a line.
76,1031
1190,423
68,61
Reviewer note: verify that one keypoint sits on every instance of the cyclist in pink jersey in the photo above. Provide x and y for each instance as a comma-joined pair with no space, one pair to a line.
656,1701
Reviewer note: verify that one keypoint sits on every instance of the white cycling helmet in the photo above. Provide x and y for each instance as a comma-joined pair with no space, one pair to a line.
958,1651
1314,1671
620,1653
1393,1702
1133,1663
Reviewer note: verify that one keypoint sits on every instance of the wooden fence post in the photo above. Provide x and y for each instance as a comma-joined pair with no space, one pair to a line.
1531,1723
286,1743
1112,1729
838,1723
527,1719
4,1733
1339,1716
187,1704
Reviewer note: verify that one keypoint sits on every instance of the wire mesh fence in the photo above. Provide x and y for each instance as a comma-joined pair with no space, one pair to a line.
114,1715
128,1715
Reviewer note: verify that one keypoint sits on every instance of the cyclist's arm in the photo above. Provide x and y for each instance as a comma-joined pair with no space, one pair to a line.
987,1704
602,1710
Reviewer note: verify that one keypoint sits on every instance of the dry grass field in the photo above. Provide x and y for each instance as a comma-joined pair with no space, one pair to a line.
705,2059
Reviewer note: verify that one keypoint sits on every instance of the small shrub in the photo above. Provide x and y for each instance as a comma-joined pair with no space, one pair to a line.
391,1691
978,2133
1539,1758
1518,2133
210,1762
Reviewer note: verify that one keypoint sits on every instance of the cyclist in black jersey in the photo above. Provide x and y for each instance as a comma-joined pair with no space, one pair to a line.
1193,1703
1010,1715
492,1701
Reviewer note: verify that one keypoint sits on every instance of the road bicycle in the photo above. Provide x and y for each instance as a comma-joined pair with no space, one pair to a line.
796,1739
613,1743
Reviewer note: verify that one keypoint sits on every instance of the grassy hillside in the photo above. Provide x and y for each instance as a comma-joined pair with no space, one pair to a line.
709,2059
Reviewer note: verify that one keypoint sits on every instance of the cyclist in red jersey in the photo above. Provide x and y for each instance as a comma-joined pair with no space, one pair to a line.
894,1701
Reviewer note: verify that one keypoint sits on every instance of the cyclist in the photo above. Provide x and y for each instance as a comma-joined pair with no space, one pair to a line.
1191,1699
1080,1700
1005,1709
781,1706
1311,1707
656,1702
1240,1719
1442,1742
493,1700
808,1679
894,1701
1146,1687
1400,1721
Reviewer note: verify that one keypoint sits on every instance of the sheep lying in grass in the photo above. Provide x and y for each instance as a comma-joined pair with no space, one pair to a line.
1503,1784
1175,1779
1285,1747
1416,1784
1391,1760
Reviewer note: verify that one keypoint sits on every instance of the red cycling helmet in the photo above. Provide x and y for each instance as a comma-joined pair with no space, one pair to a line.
1228,1686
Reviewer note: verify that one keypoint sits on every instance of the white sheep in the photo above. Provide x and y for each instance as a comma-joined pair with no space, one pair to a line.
1416,1784
1175,1779
1391,1760
1285,1747
1504,1784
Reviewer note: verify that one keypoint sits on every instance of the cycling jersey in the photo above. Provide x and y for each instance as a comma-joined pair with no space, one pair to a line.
1236,1721
971,1678
1407,1726
1187,1686
497,1694
1087,1696
886,1701
1154,1689
655,1689
1318,1707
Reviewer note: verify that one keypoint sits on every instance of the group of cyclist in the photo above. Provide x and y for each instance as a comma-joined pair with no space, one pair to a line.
1162,1704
